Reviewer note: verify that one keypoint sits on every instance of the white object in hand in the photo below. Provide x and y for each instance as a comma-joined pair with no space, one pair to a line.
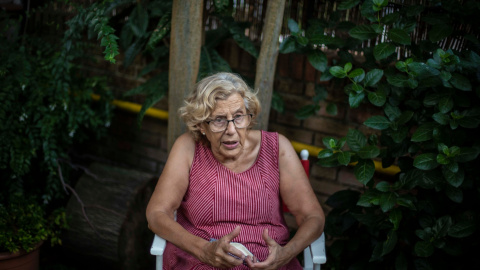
242,248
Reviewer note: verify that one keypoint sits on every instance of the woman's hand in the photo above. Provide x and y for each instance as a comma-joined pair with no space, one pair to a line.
277,256
217,252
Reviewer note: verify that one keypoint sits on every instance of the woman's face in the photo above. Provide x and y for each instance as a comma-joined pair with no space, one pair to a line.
227,144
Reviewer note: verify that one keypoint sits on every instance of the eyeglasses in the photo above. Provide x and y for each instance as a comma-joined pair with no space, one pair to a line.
239,121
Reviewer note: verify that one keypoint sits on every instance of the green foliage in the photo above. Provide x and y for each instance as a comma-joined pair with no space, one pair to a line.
309,42
426,216
47,107
24,224
146,33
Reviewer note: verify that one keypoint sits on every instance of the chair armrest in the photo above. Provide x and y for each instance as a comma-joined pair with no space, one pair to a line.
318,250
158,245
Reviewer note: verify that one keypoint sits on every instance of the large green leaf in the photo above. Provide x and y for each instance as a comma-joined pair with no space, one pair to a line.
373,77
332,109
388,200
454,194
139,20
355,99
293,26
423,70
460,82
407,202
277,102
330,161
369,198
389,243
454,179
338,72
357,75
439,32
377,122
383,50
398,80
405,117
364,170
426,161
325,153
367,11
344,157
445,104
463,228
154,90
363,32
441,118
377,98
347,4
238,34
288,45
369,151
132,52
395,216
211,62
221,5
356,140
318,60
307,111
399,36
162,29
424,132
467,154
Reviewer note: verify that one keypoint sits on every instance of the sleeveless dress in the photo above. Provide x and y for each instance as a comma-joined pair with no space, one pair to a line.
217,200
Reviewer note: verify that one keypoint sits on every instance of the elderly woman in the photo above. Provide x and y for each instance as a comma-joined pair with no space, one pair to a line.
227,183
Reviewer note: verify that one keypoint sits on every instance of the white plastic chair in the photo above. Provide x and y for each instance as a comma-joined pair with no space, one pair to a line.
314,255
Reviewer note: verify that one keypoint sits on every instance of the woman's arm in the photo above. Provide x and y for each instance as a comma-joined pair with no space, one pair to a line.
166,198
297,193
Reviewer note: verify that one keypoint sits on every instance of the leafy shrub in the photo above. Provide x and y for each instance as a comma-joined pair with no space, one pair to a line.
426,216
24,225
47,107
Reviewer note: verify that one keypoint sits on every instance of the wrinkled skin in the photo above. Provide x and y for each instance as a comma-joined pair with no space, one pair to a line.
217,252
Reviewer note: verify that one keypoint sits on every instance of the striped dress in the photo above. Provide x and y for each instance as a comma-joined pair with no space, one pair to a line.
218,200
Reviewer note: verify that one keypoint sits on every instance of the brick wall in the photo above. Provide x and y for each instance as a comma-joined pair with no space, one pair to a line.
145,148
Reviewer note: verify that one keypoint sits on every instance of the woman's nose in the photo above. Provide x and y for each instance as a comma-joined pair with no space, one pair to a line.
231,129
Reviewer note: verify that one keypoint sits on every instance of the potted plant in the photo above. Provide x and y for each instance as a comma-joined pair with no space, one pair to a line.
25,226
47,108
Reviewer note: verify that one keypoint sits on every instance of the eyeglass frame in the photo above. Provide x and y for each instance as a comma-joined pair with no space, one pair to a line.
228,122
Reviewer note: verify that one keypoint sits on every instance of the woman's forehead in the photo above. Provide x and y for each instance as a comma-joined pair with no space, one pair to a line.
234,103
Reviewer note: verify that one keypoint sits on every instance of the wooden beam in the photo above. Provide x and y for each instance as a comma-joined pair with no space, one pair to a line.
267,60
185,45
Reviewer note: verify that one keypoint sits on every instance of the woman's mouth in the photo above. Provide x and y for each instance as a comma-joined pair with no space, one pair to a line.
230,144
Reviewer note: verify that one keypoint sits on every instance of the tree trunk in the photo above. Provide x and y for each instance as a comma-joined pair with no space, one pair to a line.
185,45
267,60
116,233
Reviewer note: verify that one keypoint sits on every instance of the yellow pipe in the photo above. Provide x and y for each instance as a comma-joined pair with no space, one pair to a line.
133,107
314,150
298,146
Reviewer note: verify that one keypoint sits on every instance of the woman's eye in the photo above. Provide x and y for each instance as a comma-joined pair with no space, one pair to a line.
219,120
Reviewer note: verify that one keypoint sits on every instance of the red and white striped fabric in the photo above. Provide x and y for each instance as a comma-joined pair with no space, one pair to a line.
218,200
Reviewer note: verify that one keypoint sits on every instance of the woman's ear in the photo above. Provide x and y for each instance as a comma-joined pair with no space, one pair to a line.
201,129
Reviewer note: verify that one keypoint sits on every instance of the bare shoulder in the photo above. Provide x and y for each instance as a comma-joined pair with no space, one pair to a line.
284,145
186,140
183,148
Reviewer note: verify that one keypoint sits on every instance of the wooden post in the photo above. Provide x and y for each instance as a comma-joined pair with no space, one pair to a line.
267,60
185,45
